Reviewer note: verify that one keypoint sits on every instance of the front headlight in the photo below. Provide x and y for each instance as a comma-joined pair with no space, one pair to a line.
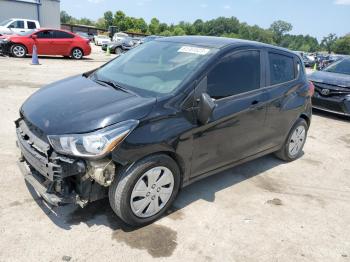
93,145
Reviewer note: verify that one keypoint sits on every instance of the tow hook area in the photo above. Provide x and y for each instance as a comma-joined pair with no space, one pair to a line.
102,171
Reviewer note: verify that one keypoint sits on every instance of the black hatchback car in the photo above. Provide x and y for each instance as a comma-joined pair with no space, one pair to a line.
160,117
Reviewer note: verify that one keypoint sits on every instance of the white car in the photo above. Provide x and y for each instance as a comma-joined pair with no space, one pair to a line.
101,39
17,25
119,36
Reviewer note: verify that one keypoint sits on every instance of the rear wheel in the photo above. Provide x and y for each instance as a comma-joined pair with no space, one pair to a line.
77,53
18,51
118,51
294,144
143,192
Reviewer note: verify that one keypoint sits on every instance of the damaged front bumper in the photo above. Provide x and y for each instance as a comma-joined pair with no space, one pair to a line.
5,47
59,179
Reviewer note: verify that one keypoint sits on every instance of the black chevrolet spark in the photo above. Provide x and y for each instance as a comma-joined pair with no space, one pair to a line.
160,117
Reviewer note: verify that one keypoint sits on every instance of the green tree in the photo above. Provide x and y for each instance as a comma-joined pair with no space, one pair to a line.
108,18
342,45
328,42
141,25
154,26
119,20
166,33
279,29
179,31
65,17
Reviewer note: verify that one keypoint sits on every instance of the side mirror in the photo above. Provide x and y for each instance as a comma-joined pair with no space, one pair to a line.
34,37
205,108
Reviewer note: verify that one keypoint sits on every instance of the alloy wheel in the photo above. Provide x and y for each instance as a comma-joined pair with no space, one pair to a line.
18,51
77,53
152,191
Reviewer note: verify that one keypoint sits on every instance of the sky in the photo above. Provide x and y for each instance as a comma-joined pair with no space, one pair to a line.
314,17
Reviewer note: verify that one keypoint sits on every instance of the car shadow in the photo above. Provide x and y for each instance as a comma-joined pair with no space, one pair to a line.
100,213
330,115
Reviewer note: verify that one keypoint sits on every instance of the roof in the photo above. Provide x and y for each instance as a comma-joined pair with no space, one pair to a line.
215,42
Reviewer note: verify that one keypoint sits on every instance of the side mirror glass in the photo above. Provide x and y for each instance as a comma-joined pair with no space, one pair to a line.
205,108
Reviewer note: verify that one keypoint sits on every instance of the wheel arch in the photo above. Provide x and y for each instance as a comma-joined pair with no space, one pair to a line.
76,47
173,155
306,118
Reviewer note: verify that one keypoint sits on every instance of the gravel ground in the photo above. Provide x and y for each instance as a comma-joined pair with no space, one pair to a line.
265,210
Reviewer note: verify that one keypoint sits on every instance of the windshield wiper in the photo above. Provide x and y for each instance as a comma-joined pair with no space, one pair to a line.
113,84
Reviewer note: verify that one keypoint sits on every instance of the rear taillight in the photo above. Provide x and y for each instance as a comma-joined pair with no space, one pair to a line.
311,88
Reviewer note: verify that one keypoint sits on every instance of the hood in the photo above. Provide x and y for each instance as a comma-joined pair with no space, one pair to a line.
5,30
330,78
79,105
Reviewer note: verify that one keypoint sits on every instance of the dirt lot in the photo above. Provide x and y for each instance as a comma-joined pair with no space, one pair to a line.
264,210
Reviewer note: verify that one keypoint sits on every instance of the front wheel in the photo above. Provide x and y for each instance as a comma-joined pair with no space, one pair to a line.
77,53
294,144
18,51
142,193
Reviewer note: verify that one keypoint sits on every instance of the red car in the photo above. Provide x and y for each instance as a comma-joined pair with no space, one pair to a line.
48,42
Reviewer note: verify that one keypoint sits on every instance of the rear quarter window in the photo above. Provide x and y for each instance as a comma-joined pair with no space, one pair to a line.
281,68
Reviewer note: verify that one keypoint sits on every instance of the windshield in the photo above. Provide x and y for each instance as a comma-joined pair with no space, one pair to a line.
156,68
3,23
340,67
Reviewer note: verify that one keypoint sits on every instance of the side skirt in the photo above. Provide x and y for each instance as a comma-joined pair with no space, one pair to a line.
218,170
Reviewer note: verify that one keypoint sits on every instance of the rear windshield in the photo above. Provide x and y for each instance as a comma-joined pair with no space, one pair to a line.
340,67
155,68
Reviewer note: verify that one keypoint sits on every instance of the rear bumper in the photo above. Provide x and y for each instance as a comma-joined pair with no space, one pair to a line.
334,105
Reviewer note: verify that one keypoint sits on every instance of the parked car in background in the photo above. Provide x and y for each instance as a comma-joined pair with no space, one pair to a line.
160,117
150,38
120,47
101,39
137,40
48,42
332,88
307,61
85,35
119,36
17,25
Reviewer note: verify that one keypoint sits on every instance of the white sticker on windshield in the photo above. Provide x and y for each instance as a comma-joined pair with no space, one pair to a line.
194,50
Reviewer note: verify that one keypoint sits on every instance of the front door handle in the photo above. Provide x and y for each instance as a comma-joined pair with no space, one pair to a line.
256,105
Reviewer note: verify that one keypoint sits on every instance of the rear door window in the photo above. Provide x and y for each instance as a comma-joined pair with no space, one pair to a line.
235,74
281,68
31,25
61,34
45,34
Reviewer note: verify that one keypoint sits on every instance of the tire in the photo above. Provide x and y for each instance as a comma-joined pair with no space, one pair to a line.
118,51
288,152
77,53
19,51
125,190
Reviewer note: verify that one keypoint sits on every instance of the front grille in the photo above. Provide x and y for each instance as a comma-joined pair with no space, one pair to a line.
41,157
333,90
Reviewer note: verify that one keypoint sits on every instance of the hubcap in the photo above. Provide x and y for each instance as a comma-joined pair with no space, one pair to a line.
77,53
152,191
18,51
297,140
